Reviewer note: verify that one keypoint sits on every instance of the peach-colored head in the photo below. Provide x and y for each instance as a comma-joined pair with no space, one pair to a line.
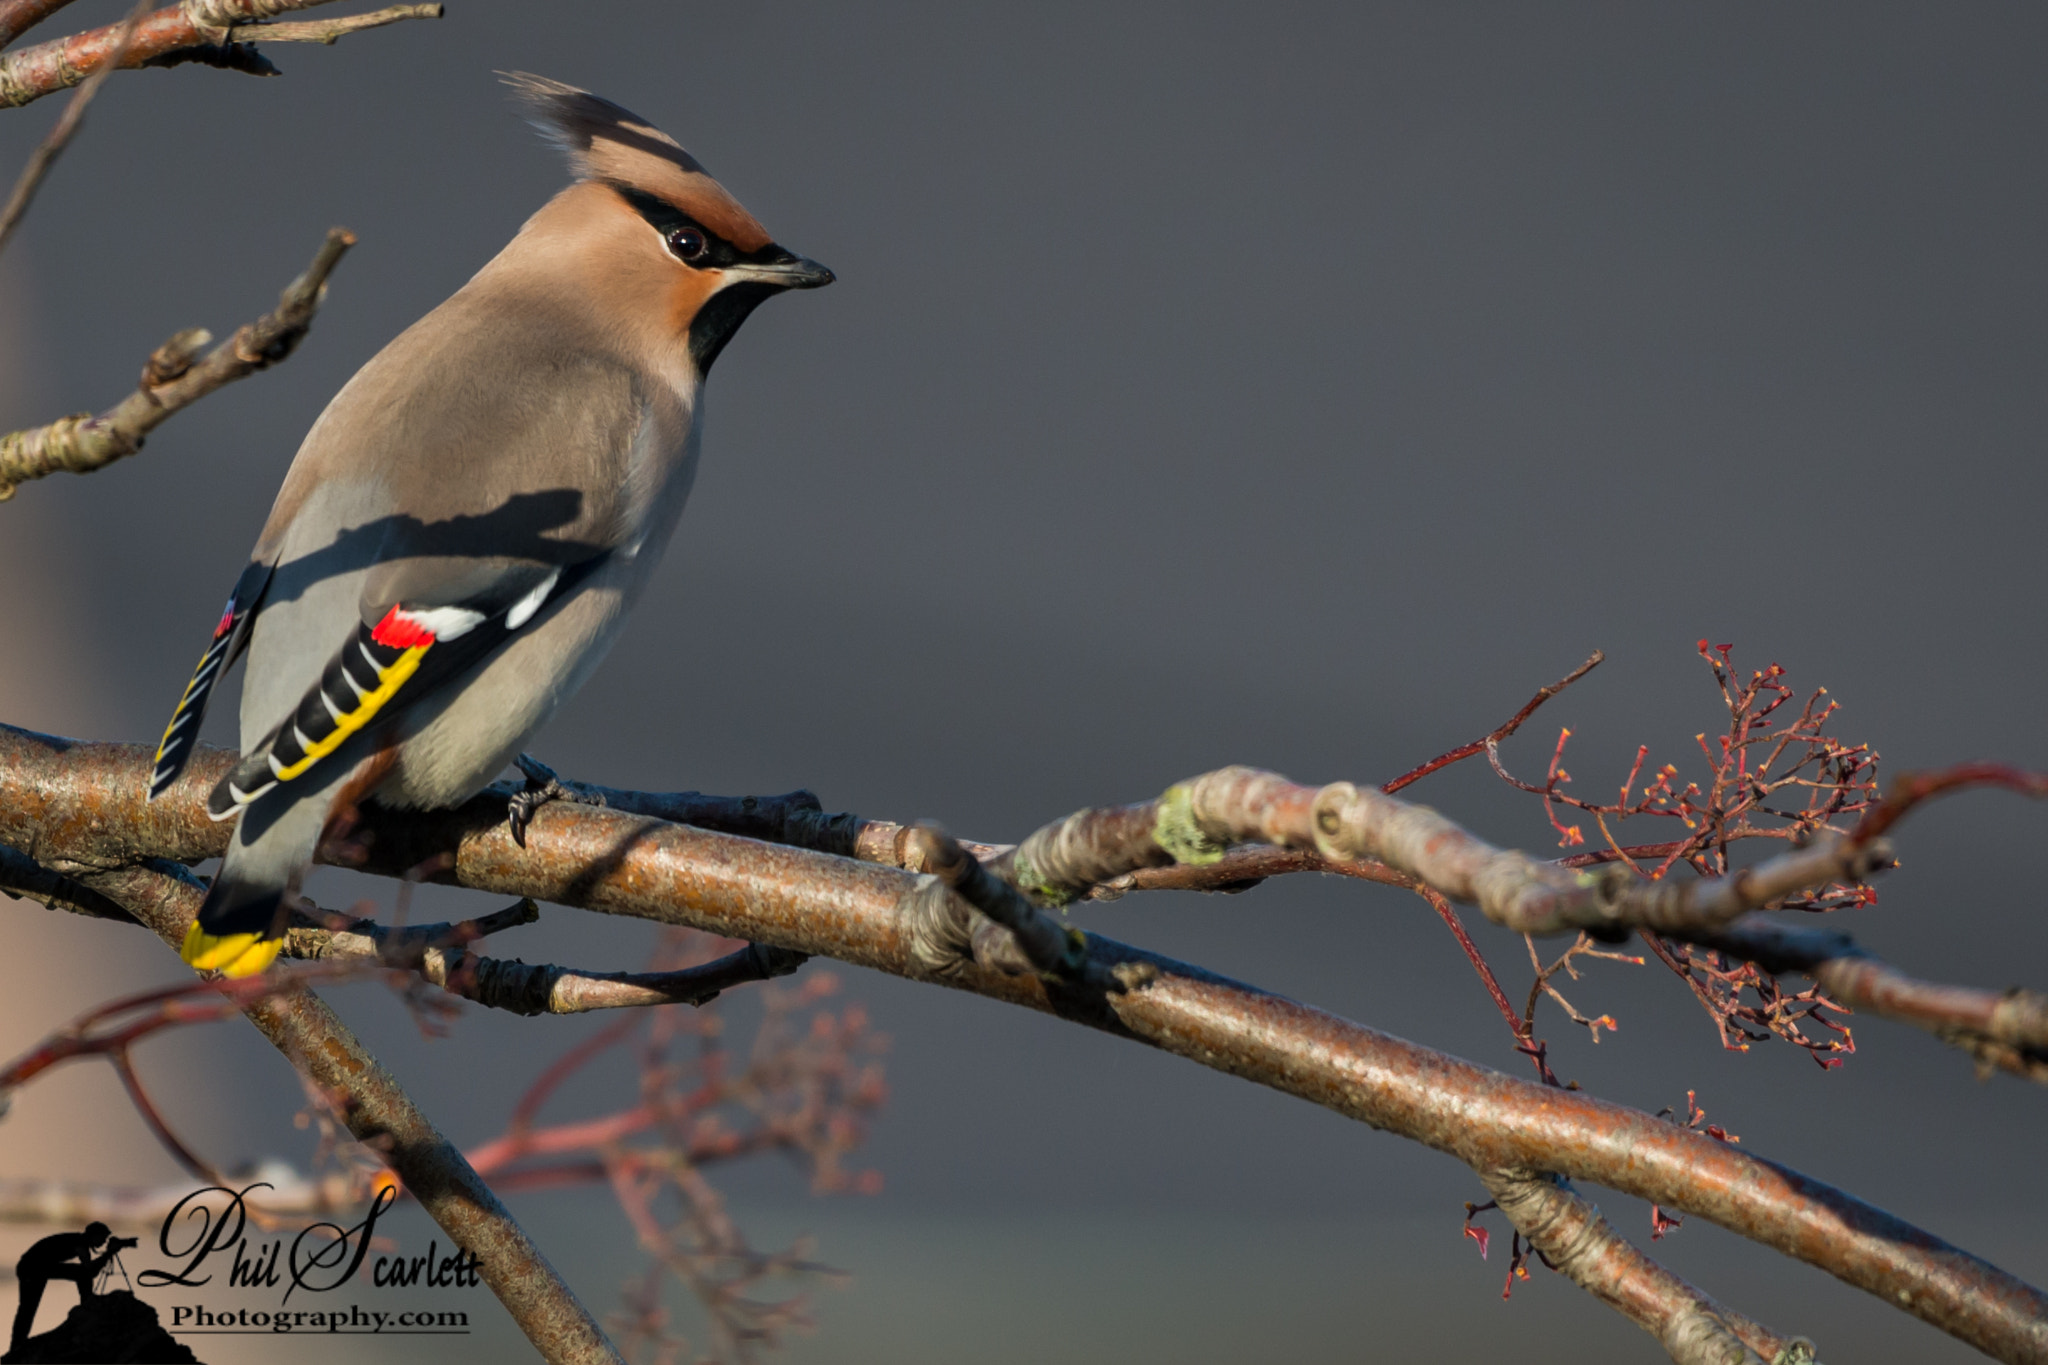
654,224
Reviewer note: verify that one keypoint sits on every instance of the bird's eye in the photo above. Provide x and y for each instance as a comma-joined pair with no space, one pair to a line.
687,243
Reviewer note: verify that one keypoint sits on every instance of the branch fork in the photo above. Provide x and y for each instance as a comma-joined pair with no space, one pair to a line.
175,377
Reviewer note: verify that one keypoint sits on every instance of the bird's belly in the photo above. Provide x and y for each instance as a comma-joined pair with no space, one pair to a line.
457,750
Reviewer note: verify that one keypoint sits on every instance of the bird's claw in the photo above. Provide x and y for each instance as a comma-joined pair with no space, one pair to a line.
542,786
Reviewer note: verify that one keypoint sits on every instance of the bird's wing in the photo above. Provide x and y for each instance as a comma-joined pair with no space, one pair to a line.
423,624
230,638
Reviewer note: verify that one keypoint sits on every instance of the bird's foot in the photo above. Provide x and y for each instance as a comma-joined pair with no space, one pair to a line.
542,786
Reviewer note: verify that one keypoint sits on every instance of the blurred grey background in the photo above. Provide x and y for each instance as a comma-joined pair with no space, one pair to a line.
1292,386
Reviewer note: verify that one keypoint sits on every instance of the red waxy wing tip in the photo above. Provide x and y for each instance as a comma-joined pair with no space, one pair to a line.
400,631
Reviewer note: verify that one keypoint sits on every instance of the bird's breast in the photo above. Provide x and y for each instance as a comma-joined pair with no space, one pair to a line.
661,468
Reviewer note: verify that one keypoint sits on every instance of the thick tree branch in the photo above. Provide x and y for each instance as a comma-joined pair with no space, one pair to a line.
75,806
1227,829
436,953
213,32
1958,1014
1042,942
870,916
382,1116
176,376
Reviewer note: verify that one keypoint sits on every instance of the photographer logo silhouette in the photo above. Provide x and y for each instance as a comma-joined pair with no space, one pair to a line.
107,1324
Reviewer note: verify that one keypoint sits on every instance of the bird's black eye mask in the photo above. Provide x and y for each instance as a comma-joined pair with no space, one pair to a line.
697,246
688,240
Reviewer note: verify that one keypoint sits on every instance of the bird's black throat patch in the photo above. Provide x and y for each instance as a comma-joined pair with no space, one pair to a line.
721,316
725,310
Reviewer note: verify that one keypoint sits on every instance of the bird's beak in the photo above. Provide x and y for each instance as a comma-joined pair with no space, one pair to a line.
789,272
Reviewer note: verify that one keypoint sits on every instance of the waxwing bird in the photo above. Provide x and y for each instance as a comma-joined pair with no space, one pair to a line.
467,524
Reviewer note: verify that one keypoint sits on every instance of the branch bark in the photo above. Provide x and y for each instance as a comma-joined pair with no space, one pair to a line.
1578,1243
77,806
2004,1029
2001,1029
213,32
22,876
176,376
1199,820
1236,826
382,1116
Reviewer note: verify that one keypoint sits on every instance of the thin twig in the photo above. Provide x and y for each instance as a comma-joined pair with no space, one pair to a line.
1910,789
46,154
1512,724
124,1067
1524,1030
2004,1029
436,953
328,31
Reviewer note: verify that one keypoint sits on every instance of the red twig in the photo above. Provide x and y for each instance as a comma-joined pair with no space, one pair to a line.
565,1066
124,1067
1525,1038
1910,789
1508,727
197,1002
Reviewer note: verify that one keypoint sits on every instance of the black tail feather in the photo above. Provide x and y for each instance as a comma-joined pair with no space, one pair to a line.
239,907
230,637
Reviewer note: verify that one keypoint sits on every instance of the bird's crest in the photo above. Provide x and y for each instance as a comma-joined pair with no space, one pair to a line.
606,142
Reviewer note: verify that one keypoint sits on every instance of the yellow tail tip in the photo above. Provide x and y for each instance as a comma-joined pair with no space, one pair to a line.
229,954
